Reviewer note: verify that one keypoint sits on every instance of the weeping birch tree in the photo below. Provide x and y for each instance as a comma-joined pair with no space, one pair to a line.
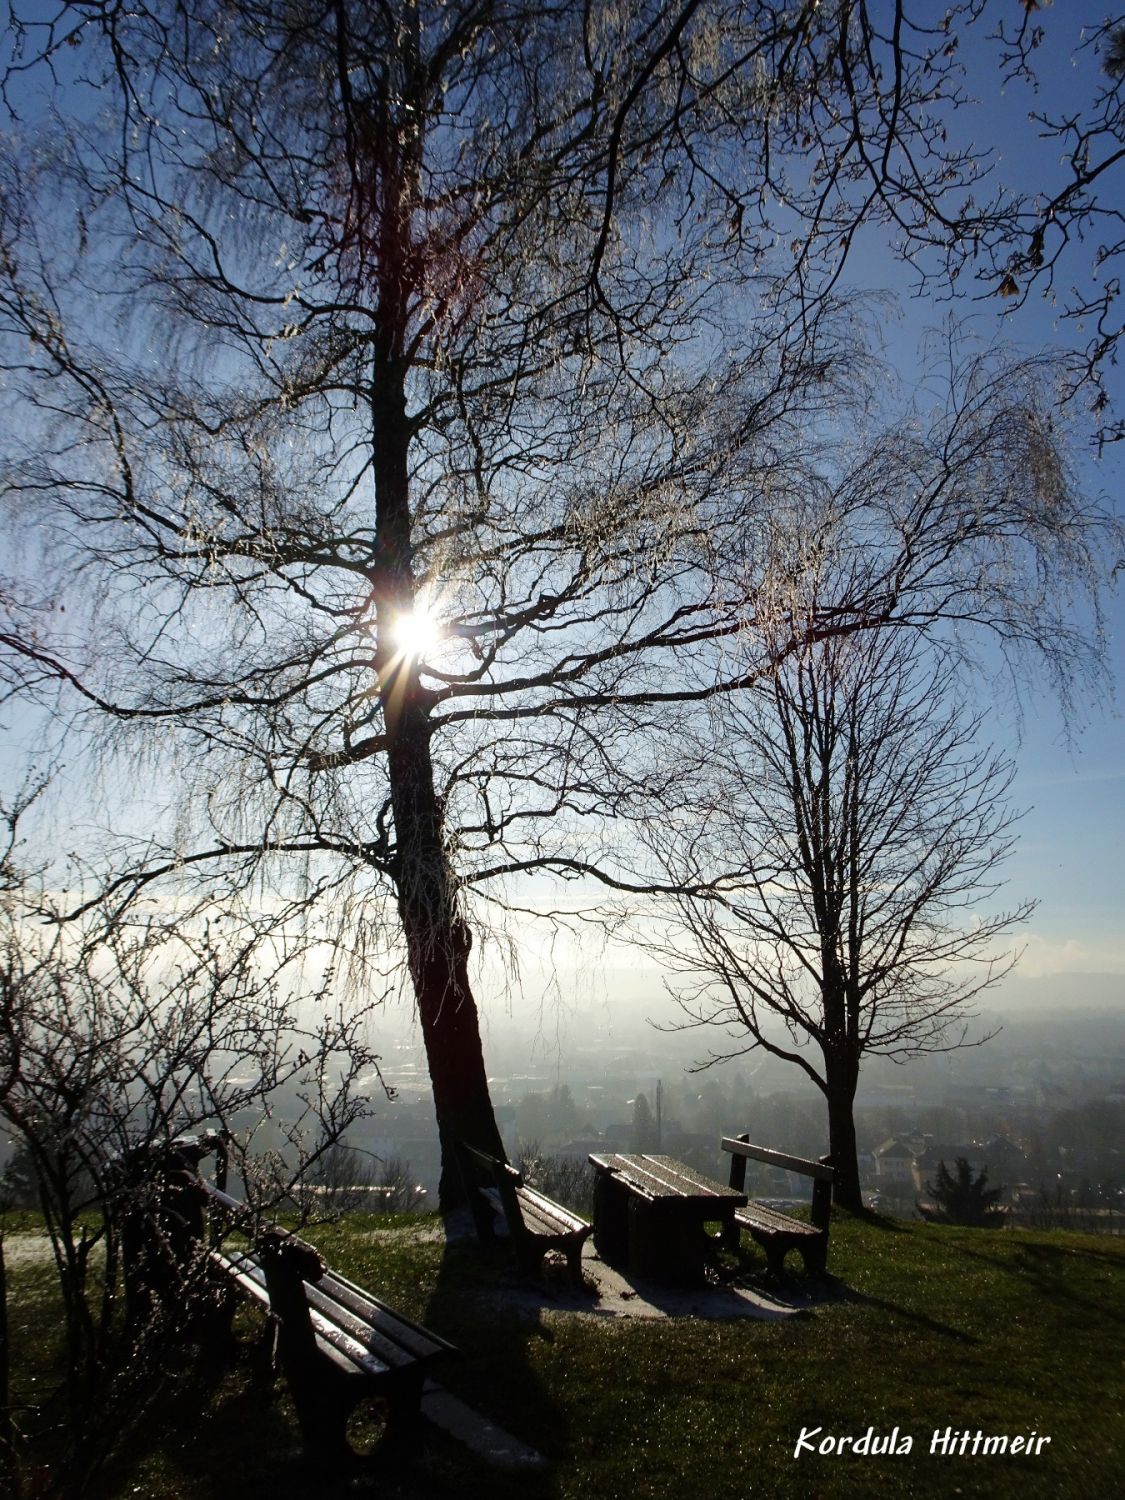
403,397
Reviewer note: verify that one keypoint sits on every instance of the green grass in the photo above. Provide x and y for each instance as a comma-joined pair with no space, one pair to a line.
922,1327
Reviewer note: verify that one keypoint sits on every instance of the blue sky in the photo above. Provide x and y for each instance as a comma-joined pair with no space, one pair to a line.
1070,850
1073,837
1071,770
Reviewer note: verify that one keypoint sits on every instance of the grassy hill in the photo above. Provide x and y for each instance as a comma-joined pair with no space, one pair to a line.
922,1328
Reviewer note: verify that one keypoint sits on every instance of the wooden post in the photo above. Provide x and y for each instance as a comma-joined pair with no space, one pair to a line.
738,1166
611,1219
821,1198
322,1409
731,1233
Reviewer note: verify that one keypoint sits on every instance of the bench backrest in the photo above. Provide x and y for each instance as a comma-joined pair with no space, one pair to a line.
739,1146
821,1172
500,1175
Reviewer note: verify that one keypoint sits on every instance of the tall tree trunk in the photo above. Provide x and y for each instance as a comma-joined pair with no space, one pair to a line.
8,1467
438,942
437,938
841,1078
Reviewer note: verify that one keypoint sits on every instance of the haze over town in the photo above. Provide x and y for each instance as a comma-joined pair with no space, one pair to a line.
565,1076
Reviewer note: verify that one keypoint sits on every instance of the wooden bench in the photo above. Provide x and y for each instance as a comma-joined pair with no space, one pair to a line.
337,1343
535,1223
776,1232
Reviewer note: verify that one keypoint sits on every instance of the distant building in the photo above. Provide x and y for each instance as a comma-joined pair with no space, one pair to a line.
894,1163
1001,1158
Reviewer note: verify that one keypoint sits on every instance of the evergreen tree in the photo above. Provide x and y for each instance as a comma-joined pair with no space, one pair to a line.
962,1199
644,1125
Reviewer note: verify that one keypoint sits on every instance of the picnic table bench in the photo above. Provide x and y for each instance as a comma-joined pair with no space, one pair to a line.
650,1213
337,1343
536,1224
776,1232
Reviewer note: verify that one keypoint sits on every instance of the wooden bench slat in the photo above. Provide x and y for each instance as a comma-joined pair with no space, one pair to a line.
381,1344
539,1222
551,1212
240,1273
422,1343
357,1352
756,1215
348,1358
557,1223
663,1179
778,1158
675,1176
336,1341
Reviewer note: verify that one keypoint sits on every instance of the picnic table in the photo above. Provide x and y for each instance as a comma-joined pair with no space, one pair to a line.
650,1212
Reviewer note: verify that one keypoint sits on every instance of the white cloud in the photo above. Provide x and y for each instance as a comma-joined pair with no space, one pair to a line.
1045,956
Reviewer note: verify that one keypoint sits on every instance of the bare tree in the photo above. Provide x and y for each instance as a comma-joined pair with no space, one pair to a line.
416,388
347,1180
111,1049
837,854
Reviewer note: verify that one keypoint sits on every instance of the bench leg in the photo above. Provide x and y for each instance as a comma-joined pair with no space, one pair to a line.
574,1264
404,1406
215,1331
815,1257
529,1256
664,1245
323,1407
484,1220
775,1252
611,1220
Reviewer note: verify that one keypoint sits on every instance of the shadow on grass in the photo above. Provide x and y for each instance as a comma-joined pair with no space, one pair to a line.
870,1219
840,1291
1049,1271
497,1376
214,1432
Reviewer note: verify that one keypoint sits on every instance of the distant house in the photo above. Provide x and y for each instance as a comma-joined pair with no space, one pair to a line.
927,1163
894,1161
1001,1158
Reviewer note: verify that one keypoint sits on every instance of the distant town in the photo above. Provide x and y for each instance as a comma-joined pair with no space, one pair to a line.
1040,1107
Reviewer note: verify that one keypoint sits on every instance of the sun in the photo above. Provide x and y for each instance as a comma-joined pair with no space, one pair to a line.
417,633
